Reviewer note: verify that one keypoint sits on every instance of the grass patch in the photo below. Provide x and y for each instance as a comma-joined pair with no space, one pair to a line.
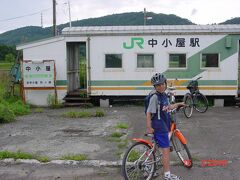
38,110
116,135
19,108
114,139
122,126
10,106
22,155
133,156
43,159
83,114
75,157
53,102
5,66
75,114
99,113
6,114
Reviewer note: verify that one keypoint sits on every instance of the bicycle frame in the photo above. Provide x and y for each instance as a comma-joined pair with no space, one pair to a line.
173,130
144,141
153,149
180,136
193,94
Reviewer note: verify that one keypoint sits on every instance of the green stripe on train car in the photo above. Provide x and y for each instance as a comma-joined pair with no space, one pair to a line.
214,83
193,62
61,82
140,82
118,82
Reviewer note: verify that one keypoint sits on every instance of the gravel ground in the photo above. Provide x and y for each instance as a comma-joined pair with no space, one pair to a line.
50,134
213,135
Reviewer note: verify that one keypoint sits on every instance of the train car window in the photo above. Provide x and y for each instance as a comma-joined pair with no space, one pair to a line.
177,60
210,60
113,61
145,61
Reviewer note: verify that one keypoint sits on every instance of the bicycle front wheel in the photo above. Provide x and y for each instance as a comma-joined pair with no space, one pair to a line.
189,105
182,152
139,162
201,102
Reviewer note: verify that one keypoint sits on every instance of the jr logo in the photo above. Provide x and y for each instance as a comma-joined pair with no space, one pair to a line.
134,40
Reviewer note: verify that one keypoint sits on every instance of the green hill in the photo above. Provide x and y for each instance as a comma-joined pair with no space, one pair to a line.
32,33
25,34
235,20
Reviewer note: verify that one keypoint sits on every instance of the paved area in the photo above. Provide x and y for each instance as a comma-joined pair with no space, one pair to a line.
213,135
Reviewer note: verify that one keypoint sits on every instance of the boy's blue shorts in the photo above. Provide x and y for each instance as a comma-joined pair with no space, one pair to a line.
162,139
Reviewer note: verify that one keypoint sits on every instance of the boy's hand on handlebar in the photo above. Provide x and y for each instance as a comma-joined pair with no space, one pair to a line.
181,105
174,106
166,108
150,130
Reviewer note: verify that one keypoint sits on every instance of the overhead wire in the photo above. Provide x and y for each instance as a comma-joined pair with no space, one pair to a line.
9,19
26,15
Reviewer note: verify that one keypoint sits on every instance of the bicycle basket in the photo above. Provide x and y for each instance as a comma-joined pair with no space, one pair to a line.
193,86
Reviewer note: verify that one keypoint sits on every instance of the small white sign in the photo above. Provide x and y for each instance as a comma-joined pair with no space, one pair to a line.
38,74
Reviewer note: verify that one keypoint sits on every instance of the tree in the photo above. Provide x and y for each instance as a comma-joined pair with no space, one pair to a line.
9,57
4,50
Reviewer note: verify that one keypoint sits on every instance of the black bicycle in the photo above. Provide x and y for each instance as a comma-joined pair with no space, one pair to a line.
195,99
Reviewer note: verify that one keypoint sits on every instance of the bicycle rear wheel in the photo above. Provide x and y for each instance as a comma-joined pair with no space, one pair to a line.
139,162
189,105
182,152
201,102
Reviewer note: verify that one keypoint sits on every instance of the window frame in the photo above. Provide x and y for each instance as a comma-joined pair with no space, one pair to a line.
177,53
209,68
112,69
145,68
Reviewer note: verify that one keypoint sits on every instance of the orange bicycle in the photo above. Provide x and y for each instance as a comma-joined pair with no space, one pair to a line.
143,158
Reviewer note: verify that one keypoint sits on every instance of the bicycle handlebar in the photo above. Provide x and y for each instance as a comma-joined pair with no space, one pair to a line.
149,135
171,88
198,78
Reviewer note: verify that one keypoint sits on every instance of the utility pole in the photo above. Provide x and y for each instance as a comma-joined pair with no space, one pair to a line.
41,20
54,18
69,11
144,16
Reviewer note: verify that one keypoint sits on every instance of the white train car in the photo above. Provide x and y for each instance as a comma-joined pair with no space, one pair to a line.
117,61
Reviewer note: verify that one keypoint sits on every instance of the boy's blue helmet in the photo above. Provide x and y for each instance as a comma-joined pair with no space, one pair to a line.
158,78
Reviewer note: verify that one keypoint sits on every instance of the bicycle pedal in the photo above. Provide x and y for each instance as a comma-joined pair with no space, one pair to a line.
171,149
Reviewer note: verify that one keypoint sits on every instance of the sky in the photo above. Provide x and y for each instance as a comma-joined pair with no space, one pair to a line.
20,13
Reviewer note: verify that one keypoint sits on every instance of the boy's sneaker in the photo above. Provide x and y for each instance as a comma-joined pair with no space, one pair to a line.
155,174
172,177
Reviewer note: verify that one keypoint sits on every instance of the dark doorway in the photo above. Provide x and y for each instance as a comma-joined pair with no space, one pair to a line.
76,67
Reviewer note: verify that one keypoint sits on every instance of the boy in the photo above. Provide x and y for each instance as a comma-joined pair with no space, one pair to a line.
158,120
